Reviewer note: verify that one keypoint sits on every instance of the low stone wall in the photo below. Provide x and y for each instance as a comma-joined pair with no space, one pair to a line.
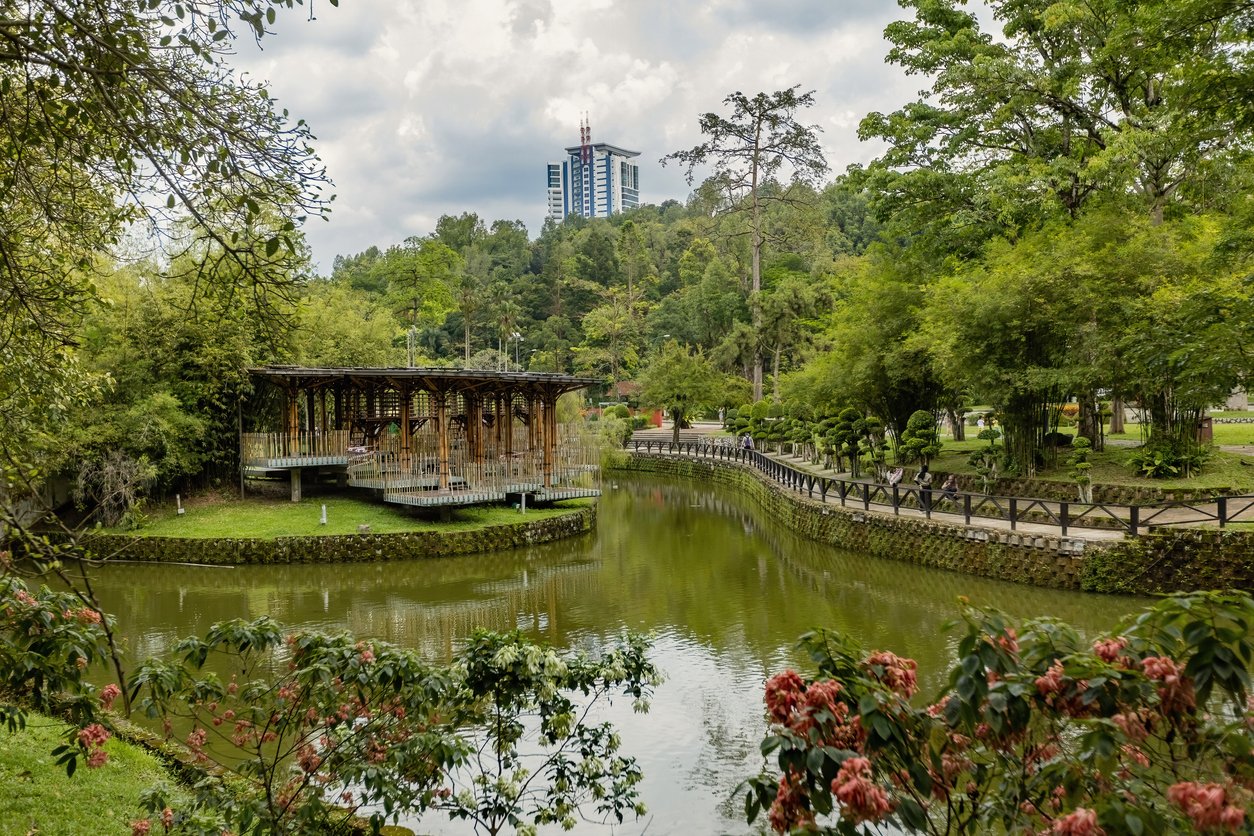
1157,562
343,548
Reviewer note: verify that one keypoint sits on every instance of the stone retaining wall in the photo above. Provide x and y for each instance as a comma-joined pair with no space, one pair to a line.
345,547
1157,562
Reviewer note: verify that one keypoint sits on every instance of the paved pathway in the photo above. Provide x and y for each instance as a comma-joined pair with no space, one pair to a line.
701,431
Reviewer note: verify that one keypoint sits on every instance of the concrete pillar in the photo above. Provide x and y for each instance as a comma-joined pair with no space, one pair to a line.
295,473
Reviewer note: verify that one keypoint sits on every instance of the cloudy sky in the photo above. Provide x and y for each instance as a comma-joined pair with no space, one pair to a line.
428,107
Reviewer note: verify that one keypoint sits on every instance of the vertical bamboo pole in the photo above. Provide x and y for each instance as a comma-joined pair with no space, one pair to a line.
550,437
292,402
507,425
406,401
441,430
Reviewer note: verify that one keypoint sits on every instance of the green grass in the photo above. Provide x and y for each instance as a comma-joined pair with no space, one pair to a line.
37,797
214,517
1110,467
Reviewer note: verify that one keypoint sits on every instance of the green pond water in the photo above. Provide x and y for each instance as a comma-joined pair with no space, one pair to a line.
724,590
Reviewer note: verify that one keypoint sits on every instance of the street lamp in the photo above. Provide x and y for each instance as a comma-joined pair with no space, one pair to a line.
517,337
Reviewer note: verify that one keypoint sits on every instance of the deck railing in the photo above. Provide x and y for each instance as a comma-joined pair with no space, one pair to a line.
1065,515
259,448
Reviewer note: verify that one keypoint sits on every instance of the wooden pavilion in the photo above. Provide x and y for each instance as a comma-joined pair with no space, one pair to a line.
426,437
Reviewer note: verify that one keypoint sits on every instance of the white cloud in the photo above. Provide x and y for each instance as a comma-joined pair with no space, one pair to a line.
427,107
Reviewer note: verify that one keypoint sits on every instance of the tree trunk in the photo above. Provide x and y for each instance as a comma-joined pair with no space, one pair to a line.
1116,416
775,374
956,424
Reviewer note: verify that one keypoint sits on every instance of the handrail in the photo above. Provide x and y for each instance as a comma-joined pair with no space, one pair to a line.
1065,514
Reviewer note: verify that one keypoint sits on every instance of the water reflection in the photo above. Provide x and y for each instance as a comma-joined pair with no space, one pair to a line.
725,590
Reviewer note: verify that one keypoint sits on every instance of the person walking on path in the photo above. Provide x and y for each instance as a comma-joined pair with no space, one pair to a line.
924,480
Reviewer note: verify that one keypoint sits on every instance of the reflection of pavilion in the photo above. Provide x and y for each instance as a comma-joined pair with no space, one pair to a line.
423,436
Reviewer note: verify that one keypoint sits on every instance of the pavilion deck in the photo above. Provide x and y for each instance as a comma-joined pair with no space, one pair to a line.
423,437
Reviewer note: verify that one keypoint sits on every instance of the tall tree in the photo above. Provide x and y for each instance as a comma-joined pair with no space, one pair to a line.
1072,99
114,113
747,149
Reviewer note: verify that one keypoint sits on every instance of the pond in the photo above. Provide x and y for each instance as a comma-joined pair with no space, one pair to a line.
725,592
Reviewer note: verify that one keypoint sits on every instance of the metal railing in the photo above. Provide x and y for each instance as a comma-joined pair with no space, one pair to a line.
1065,515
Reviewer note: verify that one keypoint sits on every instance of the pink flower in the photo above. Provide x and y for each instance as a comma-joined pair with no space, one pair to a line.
897,673
141,827
1175,693
167,818
308,758
93,736
1207,806
1079,822
196,739
1051,682
97,758
862,801
790,810
783,695
108,694
1108,649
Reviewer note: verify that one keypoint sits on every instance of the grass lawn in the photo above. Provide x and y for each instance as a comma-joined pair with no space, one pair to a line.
217,516
1221,470
39,798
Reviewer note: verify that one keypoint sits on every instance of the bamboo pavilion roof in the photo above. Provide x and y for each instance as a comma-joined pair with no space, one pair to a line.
435,379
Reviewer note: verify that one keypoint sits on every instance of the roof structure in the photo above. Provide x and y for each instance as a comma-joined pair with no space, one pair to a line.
433,379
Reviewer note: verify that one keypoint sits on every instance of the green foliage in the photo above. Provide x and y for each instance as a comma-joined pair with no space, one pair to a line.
1034,729
1167,460
1081,467
681,382
344,725
920,440
108,106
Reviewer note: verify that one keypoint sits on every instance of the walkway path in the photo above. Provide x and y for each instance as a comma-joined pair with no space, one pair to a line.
880,501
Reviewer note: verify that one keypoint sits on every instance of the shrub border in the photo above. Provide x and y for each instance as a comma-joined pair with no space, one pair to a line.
342,548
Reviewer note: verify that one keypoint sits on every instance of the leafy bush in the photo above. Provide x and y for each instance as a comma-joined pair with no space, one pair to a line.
1168,459
1145,731
920,440
310,728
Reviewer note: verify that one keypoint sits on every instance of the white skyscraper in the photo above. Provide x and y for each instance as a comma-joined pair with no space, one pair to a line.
594,181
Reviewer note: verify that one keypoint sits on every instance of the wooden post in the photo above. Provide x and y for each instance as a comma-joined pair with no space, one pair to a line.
507,425
549,434
293,421
441,430
323,427
500,422
474,428
406,402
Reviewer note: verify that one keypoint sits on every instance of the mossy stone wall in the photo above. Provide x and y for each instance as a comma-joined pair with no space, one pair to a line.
343,548
1156,562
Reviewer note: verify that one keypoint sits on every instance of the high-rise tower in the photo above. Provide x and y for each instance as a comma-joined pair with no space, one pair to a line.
594,181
